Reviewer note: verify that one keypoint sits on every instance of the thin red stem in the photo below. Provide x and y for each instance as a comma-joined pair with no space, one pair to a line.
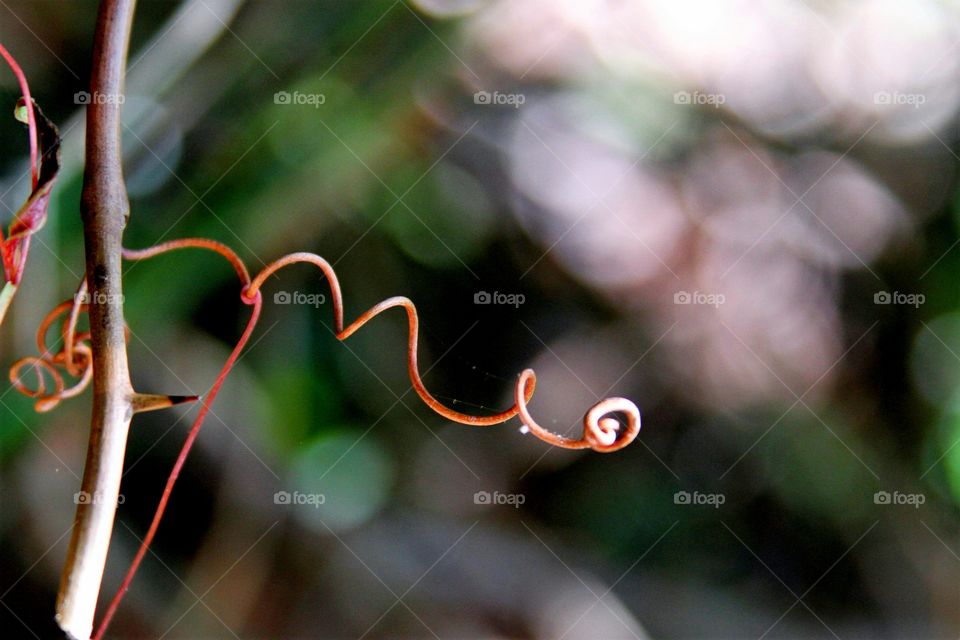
31,119
175,473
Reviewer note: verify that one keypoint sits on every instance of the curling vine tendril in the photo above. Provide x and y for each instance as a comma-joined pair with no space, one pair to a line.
601,431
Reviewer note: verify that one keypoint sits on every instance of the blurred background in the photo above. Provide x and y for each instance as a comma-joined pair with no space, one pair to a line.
742,215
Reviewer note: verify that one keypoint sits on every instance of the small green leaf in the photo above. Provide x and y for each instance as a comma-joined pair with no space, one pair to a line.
20,112
6,297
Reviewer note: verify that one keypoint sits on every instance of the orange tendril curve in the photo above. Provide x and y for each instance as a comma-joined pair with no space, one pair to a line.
413,334
602,432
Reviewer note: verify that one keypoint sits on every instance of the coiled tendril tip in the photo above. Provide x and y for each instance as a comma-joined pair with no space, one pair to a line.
601,432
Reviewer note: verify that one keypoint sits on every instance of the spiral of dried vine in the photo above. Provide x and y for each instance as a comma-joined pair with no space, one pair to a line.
75,358
600,433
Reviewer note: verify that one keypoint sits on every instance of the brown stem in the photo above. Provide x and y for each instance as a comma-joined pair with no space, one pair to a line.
104,208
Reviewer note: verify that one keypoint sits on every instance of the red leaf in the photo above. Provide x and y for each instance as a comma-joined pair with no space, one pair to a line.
33,214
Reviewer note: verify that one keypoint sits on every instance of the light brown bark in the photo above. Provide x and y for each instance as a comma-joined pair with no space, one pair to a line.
104,208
